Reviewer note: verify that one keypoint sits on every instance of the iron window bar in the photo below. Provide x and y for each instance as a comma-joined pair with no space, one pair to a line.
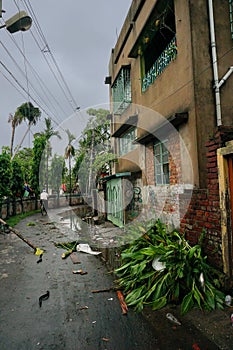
168,55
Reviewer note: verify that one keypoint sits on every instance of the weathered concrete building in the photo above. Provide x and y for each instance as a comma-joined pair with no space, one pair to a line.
171,93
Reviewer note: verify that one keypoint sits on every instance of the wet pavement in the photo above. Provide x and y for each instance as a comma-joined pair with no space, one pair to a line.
73,317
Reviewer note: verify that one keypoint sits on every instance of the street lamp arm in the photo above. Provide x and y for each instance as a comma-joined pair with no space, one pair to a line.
20,21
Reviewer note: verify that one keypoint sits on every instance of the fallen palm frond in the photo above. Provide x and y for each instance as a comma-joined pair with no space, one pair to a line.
69,246
161,267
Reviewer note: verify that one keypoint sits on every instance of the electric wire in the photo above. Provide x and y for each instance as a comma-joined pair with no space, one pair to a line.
53,58
23,88
37,77
44,42
25,66
17,5
47,49
51,69
21,71
40,81
28,127
42,37
15,87
20,85
26,90
32,13
54,74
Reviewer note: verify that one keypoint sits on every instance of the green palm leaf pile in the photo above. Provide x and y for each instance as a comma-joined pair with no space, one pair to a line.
186,277
69,246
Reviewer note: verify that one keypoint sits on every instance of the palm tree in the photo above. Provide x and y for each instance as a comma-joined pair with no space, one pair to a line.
29,113
25,112
15,121
69,152
49,132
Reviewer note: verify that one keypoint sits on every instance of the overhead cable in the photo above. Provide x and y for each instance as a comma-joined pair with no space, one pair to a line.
74,105
40,80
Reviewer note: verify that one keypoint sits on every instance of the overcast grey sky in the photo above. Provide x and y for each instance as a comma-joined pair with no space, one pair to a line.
80,36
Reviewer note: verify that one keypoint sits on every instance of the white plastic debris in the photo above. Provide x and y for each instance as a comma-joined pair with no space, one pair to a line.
172,318
85,248
202,280
158,265
228,300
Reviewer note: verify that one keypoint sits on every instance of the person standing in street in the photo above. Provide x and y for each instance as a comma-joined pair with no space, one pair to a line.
44,200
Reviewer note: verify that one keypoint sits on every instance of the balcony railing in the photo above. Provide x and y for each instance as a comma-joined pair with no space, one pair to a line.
121,91
231,17
168,55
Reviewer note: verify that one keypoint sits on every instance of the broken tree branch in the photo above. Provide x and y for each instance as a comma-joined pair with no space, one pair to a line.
17,233
103,290
121,298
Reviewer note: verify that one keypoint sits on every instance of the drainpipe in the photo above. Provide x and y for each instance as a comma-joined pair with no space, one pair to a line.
214,63
226,76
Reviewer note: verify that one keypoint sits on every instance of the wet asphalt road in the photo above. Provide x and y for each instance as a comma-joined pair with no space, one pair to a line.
72,318
61,322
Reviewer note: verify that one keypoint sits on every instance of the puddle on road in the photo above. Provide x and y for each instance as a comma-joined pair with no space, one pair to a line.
103,235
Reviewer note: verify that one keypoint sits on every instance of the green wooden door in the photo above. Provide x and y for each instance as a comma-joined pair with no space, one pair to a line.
115,202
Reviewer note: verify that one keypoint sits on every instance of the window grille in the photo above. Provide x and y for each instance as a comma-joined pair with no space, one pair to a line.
161,157
121,91
168,55
126,141
231,17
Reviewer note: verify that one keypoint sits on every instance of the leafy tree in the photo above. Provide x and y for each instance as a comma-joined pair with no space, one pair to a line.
37,180
28,113
5,174
16,183
17,179
56,172
48,133
24,158
25,112
102,163
94,153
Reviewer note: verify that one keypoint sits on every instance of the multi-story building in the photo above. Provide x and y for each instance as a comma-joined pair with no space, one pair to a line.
171,93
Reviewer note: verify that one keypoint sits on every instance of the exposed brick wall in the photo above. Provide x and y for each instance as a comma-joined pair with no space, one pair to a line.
203,214
174,159
150,173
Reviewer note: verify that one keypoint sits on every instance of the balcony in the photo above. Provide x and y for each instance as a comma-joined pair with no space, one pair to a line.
168,55
121,91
